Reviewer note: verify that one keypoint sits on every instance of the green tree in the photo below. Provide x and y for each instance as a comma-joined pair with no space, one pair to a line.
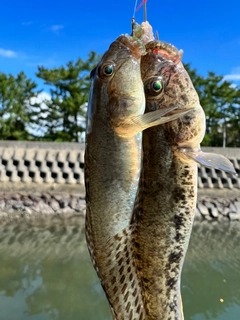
15,106
69,93
220,100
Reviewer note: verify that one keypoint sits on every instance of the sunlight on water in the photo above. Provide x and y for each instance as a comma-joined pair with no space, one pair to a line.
46,274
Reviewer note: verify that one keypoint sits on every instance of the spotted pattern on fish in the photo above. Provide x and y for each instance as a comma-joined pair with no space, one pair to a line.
112,162
121,281
160,271
166,200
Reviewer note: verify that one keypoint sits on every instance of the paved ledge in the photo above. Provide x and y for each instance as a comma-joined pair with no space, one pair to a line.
42,145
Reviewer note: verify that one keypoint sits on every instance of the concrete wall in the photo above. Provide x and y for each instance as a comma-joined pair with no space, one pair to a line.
42,163
63,163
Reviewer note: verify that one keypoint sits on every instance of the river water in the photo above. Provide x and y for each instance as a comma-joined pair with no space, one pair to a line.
46,274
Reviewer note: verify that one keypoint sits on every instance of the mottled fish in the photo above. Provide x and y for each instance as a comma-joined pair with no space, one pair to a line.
166,200
112,163
154,246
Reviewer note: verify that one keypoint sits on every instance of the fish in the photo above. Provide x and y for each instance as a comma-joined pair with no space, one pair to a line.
150,251
166,199
115,123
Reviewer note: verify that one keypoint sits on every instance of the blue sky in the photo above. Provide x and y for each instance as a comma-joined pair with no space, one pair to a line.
51,33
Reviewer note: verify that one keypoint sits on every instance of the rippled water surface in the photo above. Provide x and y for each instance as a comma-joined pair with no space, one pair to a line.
45,273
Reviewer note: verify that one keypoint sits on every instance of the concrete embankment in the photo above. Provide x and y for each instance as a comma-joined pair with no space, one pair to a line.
52,205
40,180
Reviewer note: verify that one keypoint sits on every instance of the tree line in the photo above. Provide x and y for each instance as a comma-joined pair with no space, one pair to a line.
62,118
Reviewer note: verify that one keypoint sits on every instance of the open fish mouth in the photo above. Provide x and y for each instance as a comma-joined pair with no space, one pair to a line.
167,50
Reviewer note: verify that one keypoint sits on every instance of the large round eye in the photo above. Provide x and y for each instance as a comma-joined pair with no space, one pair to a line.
106,70
153,86
157,86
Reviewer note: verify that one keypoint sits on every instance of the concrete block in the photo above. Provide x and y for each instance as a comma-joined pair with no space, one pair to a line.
55,167
51,155
9,166
7,154
217,183
70,179
40,155
14,177
200,184
32,166
227,183
25,178
60,179
37,178
80,156
72,156
62,156
48,178
21,166
30,154
43,167
18,154
235,182
221,174
1,152
235,163
3,176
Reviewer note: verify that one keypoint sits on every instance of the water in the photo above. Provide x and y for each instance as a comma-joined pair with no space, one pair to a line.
46,274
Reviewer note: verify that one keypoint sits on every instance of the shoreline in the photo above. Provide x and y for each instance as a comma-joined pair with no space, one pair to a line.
40,206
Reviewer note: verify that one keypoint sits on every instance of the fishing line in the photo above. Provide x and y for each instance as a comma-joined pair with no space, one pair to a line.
135,8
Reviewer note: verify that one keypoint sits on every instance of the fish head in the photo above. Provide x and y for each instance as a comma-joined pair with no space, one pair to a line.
117,86
167,84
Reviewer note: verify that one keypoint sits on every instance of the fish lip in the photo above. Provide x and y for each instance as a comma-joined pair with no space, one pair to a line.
135,46
165,49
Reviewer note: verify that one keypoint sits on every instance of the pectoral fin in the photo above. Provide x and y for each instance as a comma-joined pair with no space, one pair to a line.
132,126
210,160
119,277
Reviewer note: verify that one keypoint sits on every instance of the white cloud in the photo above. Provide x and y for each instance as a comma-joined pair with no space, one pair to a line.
56,27
42,96
39,130
232,77
7,53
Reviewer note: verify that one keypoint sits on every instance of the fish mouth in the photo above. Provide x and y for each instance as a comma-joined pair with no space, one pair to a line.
136,46
165,49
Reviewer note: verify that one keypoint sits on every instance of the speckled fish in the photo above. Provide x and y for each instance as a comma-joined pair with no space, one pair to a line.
166,201
155,244
112,162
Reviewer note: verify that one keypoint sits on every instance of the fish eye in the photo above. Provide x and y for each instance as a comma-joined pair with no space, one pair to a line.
157,86
106,70
153,86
